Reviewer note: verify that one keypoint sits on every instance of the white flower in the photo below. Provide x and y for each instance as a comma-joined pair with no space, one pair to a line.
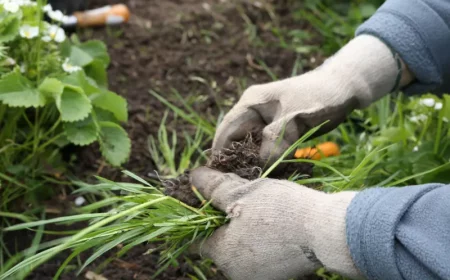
47,8
418,118
438,106
429,102
415,149
54,33
29,32
25,2
11,7
56,15
23,68
445,119
69,68
10,61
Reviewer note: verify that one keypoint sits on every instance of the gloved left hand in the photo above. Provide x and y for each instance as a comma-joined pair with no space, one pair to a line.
277,229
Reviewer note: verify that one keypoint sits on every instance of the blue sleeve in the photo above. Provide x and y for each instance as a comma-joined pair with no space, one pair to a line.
419,31
401,233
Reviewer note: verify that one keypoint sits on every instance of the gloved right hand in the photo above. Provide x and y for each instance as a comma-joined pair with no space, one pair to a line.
359,74
277,229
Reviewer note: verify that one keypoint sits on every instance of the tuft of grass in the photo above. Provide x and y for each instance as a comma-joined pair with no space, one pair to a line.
143,214
170,158
400,141
188,113
336,22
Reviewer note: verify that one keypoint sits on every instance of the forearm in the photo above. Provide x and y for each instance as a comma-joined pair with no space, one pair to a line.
401,233
418,30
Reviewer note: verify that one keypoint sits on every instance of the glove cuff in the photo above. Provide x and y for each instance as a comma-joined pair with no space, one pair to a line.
370,68
326,227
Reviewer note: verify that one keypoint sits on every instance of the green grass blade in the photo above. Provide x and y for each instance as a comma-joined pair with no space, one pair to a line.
291,149
42,257
67,219
108,246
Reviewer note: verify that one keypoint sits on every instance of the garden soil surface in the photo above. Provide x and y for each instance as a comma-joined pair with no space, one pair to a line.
200,48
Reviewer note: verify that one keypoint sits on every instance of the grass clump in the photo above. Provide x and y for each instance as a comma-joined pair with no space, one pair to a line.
141,214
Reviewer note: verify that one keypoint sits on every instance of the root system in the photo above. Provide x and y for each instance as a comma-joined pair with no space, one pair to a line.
241,158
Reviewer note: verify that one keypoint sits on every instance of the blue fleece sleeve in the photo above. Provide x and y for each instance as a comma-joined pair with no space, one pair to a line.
401,233
419,31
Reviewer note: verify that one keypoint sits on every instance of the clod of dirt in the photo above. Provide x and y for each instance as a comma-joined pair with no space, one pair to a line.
241,158
181,189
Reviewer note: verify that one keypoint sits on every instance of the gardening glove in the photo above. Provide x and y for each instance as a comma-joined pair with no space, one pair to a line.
277,229
360,73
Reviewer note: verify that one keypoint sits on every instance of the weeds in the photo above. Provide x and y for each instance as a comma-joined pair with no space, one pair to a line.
164,150
336,22
398,141
141,215
380,155
402,142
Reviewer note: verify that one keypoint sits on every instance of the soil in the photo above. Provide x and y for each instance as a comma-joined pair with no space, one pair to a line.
203,49
241,158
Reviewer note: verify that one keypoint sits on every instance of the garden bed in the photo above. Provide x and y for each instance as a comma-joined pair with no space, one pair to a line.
165,46
202,49
180,64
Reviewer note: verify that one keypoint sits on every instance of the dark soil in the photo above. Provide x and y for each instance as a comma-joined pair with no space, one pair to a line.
203,49
241,158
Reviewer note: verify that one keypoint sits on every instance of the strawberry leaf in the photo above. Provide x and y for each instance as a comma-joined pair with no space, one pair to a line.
18,91
73,104
82,132
114,143
110,101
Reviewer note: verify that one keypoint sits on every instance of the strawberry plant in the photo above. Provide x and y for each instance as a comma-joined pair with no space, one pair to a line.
53,93
53,90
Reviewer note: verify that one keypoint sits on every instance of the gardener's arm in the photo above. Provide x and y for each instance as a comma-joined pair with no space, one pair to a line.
417,31
281,230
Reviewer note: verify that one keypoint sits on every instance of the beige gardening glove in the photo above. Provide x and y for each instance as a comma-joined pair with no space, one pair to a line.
277,229
360,73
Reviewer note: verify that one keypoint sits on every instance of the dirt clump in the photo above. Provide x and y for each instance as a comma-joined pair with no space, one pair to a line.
241,158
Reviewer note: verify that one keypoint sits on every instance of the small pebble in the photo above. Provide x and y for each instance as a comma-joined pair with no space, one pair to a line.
80,201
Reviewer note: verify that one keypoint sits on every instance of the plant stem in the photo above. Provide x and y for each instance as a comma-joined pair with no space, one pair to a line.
43,146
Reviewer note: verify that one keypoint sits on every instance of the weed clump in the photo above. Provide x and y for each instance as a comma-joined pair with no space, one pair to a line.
241,158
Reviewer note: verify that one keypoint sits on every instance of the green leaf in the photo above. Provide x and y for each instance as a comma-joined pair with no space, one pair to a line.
114,143
9,28
104,116
65,48
84,54
97,50
391,135
110,101
73,104
97,71
446,106
51,87
18,91
82,132
79,79
79,57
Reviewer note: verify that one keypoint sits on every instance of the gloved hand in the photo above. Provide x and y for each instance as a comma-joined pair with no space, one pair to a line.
360,73
277,229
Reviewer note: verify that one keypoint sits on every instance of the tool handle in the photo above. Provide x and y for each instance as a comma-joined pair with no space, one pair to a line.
108,15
